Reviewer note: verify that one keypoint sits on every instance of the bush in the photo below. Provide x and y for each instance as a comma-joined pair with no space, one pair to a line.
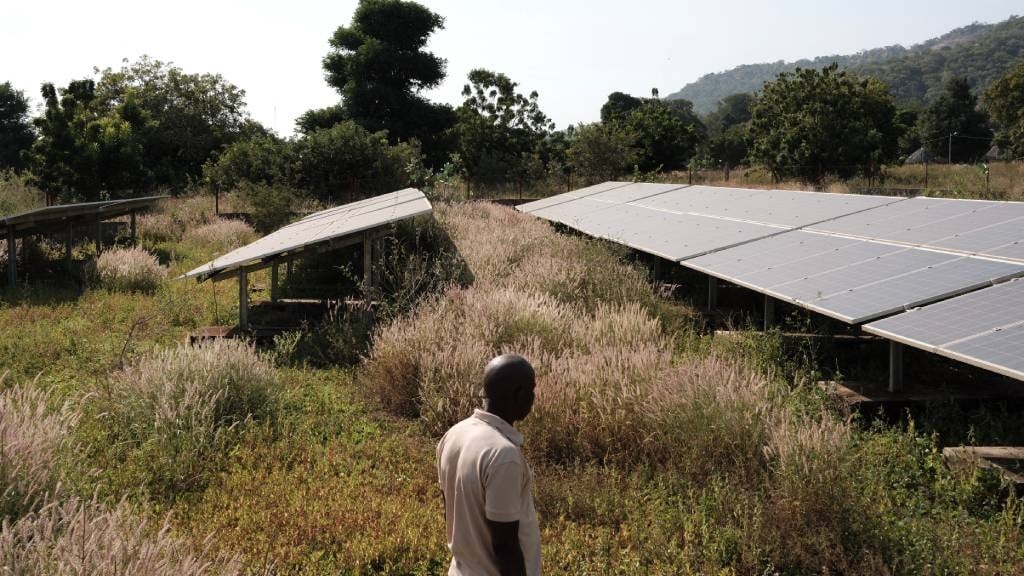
220,235
17,194
158,227
170,417
271,205
31,439
78,537
129,270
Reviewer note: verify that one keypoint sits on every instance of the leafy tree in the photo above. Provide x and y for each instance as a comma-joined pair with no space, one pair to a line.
602,151
499,130
16,135
261,160
618,106
321,118
664,141
732,110
84,152
189,117
379,67
811,123
1004,100
346,162
953,126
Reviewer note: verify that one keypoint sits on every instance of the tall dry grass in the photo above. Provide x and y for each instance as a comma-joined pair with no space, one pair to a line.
609,387
220,235
129,270
32,438
170,417
75,538
17,194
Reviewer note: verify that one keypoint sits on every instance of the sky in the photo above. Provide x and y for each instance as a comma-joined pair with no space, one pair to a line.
573,52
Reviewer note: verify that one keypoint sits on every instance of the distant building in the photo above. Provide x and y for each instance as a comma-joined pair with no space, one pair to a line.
920,156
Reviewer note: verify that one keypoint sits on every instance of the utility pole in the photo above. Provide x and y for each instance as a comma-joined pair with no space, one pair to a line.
949,151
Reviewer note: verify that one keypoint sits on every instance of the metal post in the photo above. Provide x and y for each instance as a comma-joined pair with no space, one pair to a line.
243,299
657,269
273,283
895,367
133,228
926,169
367,268
712,293
99,237
769,312
69,241
12,259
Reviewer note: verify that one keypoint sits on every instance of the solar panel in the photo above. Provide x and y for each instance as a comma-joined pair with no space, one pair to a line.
321,227
849,279
530,207
984,328
773,207
982,227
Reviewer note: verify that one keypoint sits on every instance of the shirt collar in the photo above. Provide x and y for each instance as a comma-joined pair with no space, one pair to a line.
499,424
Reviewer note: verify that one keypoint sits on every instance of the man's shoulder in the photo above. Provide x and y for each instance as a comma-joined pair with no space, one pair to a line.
475,432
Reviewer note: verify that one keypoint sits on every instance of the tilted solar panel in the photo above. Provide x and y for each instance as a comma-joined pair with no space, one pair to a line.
983,328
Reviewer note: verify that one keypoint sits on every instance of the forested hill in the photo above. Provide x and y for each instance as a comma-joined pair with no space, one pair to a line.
981,52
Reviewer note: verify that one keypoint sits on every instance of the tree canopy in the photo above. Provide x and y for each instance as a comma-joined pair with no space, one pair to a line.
952,126
811,123
16,134
1005,103
499,129
379,66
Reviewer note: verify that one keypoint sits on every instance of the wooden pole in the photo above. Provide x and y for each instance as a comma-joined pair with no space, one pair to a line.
243,299
12,259
69,241
274,282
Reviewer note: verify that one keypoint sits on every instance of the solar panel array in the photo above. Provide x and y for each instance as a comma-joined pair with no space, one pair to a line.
983,328
854,258
321,227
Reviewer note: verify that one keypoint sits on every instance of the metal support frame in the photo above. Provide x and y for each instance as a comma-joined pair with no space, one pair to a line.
243,298
274,289
133,227
657,269
367,267
12,259
712,293
769,312
895,366
99,236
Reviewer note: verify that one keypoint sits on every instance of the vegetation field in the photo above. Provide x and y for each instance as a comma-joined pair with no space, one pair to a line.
656,450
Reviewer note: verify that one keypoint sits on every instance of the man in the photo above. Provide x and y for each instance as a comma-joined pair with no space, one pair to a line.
489,516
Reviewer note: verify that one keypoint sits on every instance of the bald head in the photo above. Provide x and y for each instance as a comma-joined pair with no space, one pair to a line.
508,387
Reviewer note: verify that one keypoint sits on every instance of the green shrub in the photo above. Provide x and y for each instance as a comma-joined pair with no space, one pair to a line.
129,270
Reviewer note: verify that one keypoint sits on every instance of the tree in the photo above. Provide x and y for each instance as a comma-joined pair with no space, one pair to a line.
379,67
84,152
260,160
189,117
499,130
732,110
729,129
664,141
811,123
618,106
602,151
346,162
952,126
1004,100
16,135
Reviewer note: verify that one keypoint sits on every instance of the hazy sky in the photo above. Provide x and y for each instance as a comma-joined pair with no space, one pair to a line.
573,52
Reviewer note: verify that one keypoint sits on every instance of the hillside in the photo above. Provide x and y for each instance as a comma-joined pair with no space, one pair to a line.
981,52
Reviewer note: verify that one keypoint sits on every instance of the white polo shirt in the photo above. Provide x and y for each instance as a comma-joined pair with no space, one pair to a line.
484,476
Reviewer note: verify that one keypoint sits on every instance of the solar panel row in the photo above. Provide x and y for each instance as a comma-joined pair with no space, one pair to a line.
854,258
321,227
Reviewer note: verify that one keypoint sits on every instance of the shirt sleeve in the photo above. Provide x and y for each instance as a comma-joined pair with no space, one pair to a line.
503,487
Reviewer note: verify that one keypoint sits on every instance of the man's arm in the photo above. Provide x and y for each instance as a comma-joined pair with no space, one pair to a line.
505,544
